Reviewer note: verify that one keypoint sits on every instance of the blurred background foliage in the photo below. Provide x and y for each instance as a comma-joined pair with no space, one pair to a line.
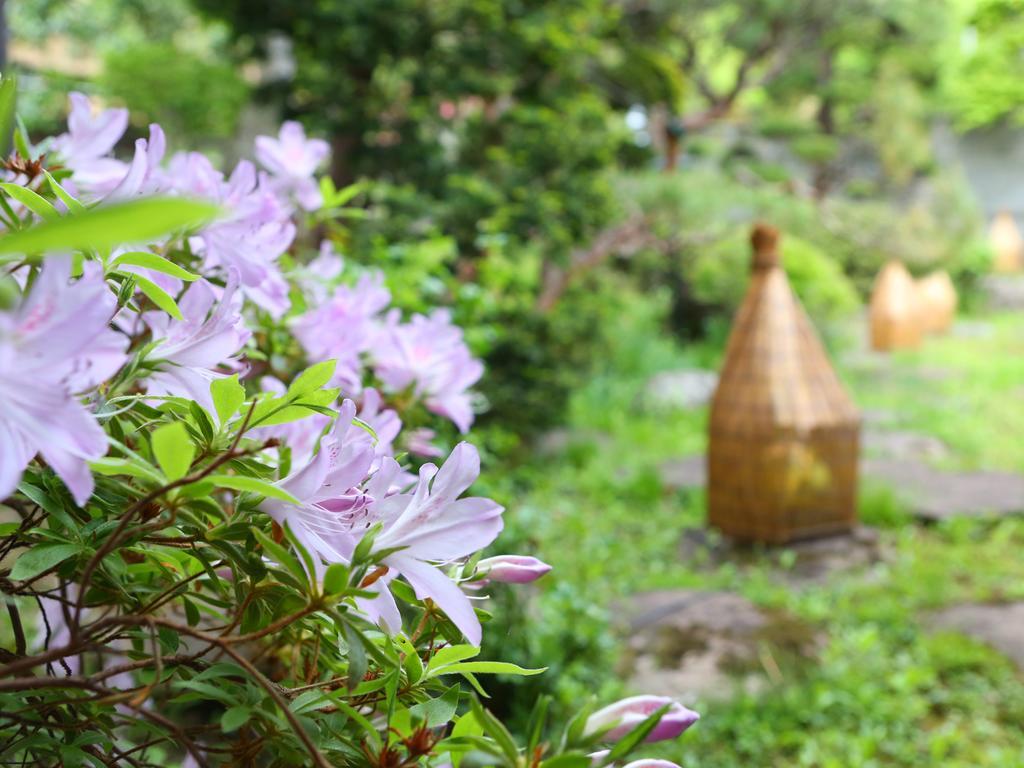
510,148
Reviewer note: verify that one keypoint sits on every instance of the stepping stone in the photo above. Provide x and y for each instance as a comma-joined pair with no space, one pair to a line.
682,389
998,625
685,473
695,643
936,495
1004,291
799,563
931,494
895,444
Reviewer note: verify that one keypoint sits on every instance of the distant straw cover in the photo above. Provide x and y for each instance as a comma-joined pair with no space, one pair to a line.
895,313
1007,244
783,434
937,301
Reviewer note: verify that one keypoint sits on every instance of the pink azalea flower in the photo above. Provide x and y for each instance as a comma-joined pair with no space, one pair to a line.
302,435
627,714
58,342
650,763
292,159
144,176
429,355
432,524
317,276
250,238
345,327
87,144
385,423
512,569
210,333
327,486
417,441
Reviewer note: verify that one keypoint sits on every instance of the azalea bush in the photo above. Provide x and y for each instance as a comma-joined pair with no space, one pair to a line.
222,542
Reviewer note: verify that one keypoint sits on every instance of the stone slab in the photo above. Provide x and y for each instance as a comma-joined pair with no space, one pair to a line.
933,494
1000,625
696,643
682,389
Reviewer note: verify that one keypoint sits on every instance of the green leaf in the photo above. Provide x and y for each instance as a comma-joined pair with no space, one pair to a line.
262,487
632,740
113,466
285,558
39,205
108,225
489,668
8,103
335,578
234,718
497,731
41,558
356,655
65,197
313,377
437,712
158,296
156,263
451,654
173,449
228,396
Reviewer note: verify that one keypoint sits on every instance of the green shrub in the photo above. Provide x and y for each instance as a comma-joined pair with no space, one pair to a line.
192,98
721,274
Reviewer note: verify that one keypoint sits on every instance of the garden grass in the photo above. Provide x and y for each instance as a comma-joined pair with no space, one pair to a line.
885,690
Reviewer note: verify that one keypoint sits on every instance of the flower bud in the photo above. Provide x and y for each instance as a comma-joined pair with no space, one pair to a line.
627,714
512,569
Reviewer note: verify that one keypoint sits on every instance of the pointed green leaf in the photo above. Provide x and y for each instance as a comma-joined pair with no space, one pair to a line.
173,449
262,487
41,558
156,263
63,195
108,225
228,396
313,377
8,104
39,205
158,296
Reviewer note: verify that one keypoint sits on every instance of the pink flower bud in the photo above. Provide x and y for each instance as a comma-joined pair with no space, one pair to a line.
627,714
512,569
649,763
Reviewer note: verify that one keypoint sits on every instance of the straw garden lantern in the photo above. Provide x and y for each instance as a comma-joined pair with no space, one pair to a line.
937,301
1006,243
783,442
895,313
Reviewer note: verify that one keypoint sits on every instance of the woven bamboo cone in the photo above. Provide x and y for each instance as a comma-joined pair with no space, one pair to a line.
937,300
1006,244
783,434
895,313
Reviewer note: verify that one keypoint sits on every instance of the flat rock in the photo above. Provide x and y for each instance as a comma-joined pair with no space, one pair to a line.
688,472
798,563
933,494
1004,291
690,643
682,389
1000,625
896,444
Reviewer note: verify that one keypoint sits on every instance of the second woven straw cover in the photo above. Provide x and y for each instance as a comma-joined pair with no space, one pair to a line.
895,313
783,433
1007,245
937,301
